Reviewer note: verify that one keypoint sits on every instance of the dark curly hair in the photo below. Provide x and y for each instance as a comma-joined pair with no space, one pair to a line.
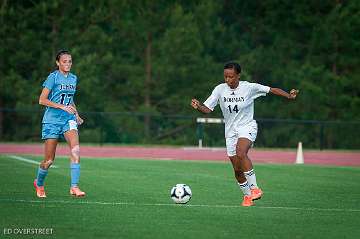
233,65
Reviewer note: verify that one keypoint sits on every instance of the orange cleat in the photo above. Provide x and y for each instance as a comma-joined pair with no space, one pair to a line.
247,201
256,193
40,190
75,191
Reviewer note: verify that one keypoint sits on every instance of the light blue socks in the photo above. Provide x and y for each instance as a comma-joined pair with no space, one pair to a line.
75,174
41,175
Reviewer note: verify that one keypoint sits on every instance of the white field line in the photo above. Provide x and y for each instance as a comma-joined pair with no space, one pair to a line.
173,205
150,158
204,148
28,160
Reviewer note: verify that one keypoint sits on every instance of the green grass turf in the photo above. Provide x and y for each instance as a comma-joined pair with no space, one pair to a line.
128,198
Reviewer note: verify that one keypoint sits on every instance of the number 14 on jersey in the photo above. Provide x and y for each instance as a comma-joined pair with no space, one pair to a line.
234,109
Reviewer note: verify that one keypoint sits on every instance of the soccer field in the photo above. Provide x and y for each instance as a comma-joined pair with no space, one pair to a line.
129,198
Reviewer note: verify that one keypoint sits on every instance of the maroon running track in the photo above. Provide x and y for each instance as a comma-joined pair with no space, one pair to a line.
168,153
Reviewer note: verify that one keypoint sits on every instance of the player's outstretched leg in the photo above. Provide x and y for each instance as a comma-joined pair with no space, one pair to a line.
242,149
242,182
39,182
75,175
72,139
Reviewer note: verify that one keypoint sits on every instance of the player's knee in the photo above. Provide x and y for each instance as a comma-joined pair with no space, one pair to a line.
241,155
75,152
46,163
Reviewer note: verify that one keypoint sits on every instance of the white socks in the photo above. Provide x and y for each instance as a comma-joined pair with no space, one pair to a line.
245,188
251,178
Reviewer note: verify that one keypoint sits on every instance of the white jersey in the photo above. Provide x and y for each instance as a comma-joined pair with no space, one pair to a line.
237,105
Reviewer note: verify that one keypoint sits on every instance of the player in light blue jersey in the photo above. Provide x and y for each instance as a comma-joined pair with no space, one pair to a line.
60,120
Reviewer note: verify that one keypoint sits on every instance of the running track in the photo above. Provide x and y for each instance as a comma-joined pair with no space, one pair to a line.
168,153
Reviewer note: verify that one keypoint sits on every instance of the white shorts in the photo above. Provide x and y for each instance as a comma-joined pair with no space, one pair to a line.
248,131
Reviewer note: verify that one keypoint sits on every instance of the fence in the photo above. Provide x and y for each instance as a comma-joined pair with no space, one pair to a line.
285,133
130,128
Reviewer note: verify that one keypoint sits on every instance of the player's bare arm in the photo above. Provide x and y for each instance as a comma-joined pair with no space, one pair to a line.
79,120
43,100
291,95
199,106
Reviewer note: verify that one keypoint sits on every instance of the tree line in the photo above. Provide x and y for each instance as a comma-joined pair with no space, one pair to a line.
154,56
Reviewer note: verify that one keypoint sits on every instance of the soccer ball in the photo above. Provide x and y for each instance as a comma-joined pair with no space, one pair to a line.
180,193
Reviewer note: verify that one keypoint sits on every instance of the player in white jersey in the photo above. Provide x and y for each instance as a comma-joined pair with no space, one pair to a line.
236,99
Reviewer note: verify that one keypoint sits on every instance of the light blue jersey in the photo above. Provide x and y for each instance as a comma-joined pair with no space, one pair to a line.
62,91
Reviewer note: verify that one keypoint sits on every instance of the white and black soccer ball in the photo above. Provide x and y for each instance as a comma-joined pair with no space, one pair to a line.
180,193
